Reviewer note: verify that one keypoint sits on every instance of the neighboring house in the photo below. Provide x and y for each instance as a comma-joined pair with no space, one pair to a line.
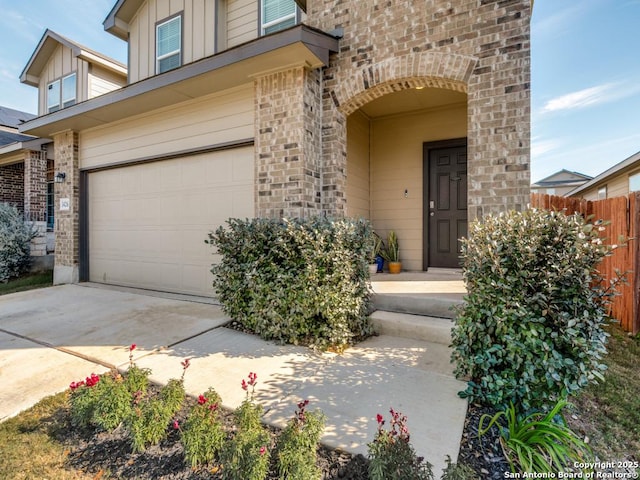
560,183
414,115
26,178
65,73
619,180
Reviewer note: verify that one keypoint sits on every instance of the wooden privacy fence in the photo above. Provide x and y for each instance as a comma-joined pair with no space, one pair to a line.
624,215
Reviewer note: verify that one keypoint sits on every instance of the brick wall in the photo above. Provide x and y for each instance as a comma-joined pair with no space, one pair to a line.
35,186
480,47
12,185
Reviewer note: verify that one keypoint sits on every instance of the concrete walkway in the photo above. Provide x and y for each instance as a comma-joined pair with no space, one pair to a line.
51,337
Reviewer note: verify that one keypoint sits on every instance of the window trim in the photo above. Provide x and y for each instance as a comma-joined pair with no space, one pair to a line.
603,189
158,58
634,175
62,103
263,26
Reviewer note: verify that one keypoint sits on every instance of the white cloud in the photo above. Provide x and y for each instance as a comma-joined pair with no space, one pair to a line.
581,98
540,147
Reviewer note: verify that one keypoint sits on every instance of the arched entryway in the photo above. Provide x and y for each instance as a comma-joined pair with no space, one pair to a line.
406,171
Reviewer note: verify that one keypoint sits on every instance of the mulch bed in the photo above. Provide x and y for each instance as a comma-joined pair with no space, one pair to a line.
108,454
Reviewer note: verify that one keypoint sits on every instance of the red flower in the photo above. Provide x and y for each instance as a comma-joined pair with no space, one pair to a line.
132,347
380,419
244,385
176,425
185,363
263,450
213,407
202,400
253,378
75,385
92,380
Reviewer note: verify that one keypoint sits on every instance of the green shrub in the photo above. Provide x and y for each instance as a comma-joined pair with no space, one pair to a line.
298,443
298,281
530,331
15,243
539,442
391,454
202,433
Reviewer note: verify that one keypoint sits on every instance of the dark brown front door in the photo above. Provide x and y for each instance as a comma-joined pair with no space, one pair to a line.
445,202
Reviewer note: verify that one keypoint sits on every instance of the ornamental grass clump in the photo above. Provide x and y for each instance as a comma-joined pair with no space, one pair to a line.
296,281
202,433
539,442
298,444
531,329
391,454
246,456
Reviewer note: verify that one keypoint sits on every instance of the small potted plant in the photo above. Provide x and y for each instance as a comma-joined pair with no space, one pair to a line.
391,253
377,261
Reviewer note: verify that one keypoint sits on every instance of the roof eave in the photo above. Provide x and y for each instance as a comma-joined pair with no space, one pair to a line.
299,45
626,164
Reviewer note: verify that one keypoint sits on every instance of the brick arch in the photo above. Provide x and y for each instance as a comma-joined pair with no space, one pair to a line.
427,69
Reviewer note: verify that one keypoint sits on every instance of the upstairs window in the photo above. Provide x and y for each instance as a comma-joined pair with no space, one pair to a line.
61,93
168,44
277,15
69,90
53,96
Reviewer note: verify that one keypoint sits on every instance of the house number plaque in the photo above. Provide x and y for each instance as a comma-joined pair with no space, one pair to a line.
65,204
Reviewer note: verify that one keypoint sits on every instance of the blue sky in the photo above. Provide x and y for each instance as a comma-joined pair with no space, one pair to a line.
585,105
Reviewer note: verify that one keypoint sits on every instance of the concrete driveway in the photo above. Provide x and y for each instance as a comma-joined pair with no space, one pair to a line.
53,336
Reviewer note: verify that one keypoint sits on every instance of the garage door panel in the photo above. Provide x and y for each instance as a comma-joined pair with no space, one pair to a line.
151,233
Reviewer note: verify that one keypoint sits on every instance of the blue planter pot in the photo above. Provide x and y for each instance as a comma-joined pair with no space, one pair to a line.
380,263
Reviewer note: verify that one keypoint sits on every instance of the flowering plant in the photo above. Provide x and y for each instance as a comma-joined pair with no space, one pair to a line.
247,455
297,445
202,434
391,454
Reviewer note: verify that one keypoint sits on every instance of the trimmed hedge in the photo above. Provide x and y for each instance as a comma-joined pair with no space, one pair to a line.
531,330
296,281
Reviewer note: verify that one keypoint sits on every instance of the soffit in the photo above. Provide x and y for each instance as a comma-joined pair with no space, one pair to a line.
412,99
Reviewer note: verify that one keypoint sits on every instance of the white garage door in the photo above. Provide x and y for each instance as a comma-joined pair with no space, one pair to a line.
148,222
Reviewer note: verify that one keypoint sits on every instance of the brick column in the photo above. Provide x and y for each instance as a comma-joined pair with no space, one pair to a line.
66,268
35,198
499,135
288,149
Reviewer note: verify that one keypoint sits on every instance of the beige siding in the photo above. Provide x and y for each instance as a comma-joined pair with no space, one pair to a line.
101,81
197,33
242,21
62,63
617,186
210,120
396,165
358,166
